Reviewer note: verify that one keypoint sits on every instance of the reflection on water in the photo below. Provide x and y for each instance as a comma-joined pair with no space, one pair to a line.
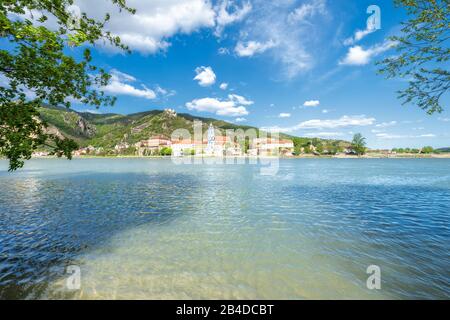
149,229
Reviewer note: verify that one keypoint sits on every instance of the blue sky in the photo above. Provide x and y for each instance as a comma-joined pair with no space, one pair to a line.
303,67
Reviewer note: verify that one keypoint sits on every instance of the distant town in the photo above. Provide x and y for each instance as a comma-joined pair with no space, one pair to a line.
228,146
212,145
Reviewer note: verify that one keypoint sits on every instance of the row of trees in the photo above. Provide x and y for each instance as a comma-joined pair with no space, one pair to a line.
323,147
316,146
425,150
165,151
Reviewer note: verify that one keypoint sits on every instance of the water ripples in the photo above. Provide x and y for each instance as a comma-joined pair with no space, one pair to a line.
151,229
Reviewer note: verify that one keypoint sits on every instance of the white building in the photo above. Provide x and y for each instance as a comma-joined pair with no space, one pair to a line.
182,148
268,146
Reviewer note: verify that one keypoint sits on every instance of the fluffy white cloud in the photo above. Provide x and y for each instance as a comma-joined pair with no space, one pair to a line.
120,85
444,119
233,107
224,86
149,30
311,103
359,35
386,124
250,48
240,120
345,121
205,76
240,100
228,12
284,115
358,56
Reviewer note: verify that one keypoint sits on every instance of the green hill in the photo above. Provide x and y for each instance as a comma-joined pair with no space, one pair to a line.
108,130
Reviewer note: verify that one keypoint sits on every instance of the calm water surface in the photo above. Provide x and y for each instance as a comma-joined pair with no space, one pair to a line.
142,228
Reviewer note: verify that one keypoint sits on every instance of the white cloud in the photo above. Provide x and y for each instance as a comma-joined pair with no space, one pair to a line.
164,92
389,136
120,85
444,119
359,35
228,13
386,124
287,32
293,32
224,86
240,120
240,100
233,107
155,22
325,134
284,115
251,48
358,56
205,76
307,10
325,111
311,103
93,111
344,121
428,135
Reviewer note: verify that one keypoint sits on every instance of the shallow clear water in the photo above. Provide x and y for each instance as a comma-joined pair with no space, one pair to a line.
142,228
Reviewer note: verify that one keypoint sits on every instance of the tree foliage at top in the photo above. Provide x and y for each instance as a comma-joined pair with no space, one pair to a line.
34,69
423,48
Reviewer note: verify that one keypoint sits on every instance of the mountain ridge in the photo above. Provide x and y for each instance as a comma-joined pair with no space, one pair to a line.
110,129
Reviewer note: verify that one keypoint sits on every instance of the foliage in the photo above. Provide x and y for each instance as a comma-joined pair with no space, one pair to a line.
166,151
359,144
320,149
427,150
422,48
406,150
37,70
130,151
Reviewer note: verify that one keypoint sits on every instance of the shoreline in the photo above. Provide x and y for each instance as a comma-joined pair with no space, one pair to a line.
305,156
